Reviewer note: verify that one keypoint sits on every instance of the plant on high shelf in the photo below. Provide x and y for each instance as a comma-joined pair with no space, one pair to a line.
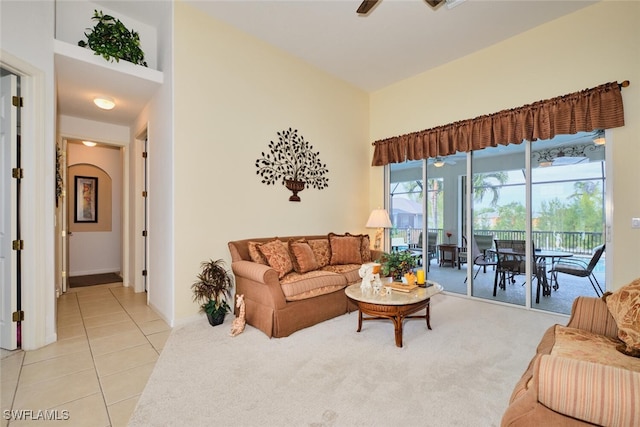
112,40
396,264
212,289
293,161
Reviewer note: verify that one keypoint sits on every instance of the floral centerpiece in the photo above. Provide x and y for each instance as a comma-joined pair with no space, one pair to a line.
396,264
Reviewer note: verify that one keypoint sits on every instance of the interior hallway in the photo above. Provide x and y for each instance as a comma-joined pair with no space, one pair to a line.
108,343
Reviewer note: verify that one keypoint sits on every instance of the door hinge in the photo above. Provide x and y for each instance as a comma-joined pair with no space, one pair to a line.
144,233
144,194
144,154
17,245
16,101
144,272
18,316
17,173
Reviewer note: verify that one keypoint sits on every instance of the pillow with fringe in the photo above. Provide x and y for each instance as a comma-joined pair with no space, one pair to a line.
302,256
255,254
345,249
624,306
321,251
277,255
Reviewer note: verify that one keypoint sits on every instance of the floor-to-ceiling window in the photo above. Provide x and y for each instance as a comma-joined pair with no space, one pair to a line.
552,205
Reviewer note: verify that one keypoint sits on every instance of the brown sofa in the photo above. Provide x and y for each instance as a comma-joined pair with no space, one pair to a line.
280,304
577,377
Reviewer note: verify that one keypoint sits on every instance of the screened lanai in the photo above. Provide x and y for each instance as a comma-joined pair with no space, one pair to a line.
549,193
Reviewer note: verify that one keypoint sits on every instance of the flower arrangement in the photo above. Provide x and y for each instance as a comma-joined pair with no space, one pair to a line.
396,264
448,236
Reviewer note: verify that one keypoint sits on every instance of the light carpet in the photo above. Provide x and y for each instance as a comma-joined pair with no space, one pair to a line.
460,373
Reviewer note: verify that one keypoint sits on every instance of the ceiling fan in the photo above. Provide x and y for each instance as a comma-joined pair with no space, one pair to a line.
367,5
441,161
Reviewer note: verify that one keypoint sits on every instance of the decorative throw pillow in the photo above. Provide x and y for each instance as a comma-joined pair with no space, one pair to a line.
624,306
365,246
303,258
277,255
345,249
255,254
321,251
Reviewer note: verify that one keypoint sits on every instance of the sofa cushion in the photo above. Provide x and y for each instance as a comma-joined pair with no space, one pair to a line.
255,254
321,251
302,256
624,306
349,271
593,392
345,249
277,254
365,246
589,347
296,286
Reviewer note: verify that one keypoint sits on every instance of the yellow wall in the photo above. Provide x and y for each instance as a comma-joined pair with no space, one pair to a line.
233,93
595,45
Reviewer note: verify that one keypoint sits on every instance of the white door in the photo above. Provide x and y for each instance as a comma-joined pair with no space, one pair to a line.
8,128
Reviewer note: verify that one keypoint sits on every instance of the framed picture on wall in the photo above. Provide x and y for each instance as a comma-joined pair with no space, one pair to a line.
86,199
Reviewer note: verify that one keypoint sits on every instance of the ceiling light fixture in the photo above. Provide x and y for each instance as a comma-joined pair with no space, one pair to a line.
89,143
439,162
104,102
599,138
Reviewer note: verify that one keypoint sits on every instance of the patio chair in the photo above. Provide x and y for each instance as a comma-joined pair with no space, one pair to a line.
481,258
485,243
398,244
432,247
462,253
511,262
580,268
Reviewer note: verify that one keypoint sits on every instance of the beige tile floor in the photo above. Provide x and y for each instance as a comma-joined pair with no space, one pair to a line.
108,344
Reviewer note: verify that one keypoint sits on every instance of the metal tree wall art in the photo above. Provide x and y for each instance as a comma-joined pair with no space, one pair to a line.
292,161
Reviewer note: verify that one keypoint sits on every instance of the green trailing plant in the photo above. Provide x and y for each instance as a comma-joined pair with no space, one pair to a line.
212,288
396,264
110,39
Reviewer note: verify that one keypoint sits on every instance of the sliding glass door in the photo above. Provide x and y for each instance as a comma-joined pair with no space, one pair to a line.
548,208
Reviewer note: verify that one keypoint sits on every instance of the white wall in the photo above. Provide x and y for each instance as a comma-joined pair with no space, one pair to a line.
26,34
233,93
595,45
159,122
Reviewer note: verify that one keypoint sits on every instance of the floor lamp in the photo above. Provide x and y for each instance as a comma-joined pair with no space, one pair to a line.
378,219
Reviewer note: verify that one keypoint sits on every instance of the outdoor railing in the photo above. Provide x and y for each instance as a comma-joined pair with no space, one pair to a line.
576,242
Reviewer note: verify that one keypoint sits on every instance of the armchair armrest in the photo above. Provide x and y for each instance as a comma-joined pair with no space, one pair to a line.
592,392
591,314
258,283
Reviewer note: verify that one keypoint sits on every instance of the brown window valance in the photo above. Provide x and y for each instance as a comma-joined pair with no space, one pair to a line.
596,108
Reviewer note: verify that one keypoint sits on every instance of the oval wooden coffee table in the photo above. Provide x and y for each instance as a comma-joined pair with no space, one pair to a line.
395,306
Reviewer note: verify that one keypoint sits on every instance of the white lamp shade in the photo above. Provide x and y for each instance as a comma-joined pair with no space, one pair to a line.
379,218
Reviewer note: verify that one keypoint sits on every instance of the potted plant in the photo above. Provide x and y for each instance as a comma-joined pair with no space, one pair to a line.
396,264
212,289
292,161
112,40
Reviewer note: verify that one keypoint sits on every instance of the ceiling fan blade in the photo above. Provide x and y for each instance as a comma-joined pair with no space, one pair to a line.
366,6
434,3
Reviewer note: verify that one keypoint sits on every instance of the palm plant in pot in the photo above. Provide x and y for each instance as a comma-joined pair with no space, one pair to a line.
212,289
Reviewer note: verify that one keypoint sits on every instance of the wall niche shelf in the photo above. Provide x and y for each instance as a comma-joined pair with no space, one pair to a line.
81,75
